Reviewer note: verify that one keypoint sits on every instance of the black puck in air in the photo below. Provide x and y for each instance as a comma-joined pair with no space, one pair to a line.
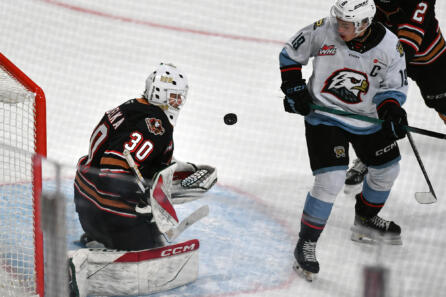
230,118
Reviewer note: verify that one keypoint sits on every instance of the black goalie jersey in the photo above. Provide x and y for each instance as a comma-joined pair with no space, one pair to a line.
104,178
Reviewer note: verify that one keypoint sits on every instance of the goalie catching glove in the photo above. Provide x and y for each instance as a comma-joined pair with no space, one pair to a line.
190,181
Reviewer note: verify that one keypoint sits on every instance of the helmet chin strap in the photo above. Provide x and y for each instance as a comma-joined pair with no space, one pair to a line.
364,36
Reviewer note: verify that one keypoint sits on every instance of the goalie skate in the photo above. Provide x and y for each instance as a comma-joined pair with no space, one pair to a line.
306,264
374,230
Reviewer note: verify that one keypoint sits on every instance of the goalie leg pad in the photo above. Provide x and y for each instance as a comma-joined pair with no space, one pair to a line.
163,211
117,273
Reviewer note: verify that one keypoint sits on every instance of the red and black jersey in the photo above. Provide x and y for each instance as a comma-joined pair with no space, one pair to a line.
415,24
103,176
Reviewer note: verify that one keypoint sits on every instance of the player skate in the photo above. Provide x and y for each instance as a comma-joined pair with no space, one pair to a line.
306,263
371,228
356,174
376,229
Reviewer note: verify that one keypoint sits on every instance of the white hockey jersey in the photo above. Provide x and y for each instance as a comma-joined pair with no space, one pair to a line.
348,79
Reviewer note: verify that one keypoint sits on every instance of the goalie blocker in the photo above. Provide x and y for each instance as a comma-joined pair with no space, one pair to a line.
107,272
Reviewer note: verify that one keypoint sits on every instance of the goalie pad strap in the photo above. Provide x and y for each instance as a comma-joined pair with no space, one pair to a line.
117,273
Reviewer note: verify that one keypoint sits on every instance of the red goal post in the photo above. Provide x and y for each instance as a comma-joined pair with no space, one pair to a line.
23,108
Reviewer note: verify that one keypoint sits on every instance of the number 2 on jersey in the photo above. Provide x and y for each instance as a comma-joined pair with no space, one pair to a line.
419,14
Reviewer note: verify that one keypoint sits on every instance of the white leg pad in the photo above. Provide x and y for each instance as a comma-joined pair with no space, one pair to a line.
106,272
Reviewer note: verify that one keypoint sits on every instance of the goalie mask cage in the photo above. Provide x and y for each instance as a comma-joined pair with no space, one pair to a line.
23,142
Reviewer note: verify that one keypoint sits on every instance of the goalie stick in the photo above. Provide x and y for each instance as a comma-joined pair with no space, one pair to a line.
143,206
173,232
421,197
197,215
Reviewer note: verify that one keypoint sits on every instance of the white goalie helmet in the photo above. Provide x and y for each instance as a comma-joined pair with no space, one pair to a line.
358,12
167,88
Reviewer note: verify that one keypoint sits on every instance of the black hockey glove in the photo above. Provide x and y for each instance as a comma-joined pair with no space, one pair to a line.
297,98
395,118
437,102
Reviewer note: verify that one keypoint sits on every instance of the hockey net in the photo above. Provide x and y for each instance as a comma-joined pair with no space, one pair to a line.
22,143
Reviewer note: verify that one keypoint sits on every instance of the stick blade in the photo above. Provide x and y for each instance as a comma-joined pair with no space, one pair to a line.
425,197
194,217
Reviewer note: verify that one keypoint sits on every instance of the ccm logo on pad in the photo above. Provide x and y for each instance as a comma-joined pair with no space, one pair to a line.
165,251
178,250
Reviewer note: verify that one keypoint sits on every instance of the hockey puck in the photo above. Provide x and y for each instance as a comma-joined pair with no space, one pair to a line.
230,118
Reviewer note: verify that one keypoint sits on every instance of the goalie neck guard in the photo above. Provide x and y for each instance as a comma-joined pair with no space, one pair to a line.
167,88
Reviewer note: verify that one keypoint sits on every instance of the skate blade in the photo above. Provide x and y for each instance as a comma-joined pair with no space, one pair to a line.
372,237
307,275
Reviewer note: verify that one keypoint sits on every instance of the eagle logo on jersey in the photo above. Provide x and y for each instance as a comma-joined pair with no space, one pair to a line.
155,126
347,85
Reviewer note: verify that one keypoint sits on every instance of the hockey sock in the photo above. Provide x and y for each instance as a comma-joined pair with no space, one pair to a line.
310,230
366,208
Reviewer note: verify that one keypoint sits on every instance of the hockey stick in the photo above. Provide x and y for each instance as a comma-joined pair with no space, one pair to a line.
422,197
376,121
175,231
194,217
145,208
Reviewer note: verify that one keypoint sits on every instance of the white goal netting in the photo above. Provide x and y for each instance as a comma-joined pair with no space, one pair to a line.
17,144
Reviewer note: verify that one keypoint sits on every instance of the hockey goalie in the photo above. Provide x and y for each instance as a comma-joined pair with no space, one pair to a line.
124,193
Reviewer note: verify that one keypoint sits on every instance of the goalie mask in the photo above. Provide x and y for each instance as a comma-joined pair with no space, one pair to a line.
167,88
358,12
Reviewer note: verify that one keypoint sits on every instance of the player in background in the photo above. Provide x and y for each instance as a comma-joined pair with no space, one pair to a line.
106,193
359,67
418,30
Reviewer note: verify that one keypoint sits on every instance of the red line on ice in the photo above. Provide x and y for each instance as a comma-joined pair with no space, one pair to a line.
160,26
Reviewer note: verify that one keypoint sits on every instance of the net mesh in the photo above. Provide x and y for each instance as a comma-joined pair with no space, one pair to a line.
17,277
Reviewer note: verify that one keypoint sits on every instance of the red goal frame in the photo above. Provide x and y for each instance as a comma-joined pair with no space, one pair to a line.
40,150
